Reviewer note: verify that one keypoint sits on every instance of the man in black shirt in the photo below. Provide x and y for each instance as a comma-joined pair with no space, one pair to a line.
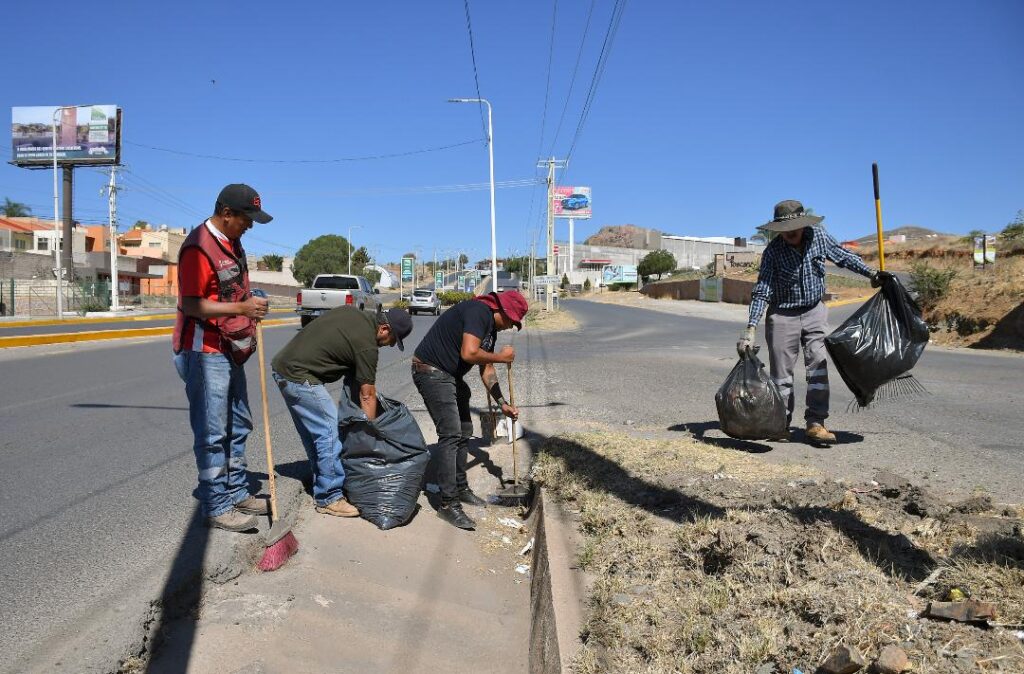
464,336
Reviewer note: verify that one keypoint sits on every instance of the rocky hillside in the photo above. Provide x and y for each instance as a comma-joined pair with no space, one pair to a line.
621,236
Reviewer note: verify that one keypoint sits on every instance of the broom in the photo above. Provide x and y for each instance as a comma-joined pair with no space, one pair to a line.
281,542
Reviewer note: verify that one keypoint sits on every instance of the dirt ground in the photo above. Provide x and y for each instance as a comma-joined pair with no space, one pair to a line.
705,559
538,319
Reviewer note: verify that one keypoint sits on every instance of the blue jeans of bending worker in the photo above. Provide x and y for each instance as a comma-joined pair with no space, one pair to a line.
218,404
316,420
447,399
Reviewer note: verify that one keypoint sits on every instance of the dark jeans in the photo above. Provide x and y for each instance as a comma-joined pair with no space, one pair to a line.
447,400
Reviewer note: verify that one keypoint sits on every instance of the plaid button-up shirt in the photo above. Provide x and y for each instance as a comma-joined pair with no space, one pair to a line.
792,278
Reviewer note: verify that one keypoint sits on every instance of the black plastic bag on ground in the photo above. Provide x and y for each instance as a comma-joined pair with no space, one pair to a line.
384,461
876,347
749,404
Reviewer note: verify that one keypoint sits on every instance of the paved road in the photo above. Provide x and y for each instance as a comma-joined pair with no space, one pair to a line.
96,473
660,371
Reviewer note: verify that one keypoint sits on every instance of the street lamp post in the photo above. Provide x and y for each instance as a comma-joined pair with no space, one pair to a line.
490,152
350,248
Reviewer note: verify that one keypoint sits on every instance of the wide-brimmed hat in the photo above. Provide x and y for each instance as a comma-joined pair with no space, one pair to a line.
790,215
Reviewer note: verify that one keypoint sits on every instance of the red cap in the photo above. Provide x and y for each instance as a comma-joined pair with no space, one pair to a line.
511,303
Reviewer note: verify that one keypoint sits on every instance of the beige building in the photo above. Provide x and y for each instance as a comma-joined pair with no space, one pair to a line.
162,242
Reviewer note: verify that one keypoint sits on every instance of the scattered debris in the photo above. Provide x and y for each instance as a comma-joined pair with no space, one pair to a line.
322,600
510,522
526,548
523,569
506,540
968,611
892,660
930,580
844,660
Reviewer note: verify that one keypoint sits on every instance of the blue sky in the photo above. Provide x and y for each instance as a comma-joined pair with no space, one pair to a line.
706,114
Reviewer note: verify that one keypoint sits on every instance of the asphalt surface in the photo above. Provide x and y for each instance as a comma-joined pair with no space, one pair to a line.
96,480
656,373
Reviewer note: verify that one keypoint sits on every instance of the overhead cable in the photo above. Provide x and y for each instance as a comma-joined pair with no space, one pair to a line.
336,160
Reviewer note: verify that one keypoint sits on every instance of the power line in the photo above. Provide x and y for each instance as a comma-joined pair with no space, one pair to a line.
476,75
397,191
547,86
336,160
572,81
602,60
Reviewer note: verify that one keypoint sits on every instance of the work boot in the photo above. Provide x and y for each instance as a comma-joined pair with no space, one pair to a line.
232,520
253,506
456,516
468,497
817,434
339,508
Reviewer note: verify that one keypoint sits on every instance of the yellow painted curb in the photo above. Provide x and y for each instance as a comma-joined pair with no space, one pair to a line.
852,300
114,319
96,335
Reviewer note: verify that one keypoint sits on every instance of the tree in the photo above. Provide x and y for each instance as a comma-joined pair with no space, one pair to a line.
463,258
140,224
14,209
360,258
327,254
1015,230
657,262
565,281
971,235
273,261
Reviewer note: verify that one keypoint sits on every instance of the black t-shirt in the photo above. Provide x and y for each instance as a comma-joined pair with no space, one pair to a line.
442,345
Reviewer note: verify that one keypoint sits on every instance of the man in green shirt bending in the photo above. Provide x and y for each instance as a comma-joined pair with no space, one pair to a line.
344,341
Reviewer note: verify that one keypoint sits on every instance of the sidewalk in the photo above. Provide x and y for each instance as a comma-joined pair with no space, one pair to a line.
424,597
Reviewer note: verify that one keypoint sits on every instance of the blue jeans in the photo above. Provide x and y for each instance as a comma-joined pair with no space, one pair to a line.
316,420
219,414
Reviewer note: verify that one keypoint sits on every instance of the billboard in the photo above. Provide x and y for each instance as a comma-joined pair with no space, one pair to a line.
618,273
86,135
571,202
438,279
407,263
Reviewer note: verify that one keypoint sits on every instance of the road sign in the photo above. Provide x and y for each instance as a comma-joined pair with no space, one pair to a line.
407,264
438,280
544,280
460,281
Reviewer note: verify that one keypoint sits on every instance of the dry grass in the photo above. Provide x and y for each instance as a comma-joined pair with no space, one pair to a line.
706,559
550,321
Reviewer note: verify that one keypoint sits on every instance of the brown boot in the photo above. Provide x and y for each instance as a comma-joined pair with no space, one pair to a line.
233,520
253,506
818,435
340,508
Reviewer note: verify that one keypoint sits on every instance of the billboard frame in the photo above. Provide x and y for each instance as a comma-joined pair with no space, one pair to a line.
561,192
47,163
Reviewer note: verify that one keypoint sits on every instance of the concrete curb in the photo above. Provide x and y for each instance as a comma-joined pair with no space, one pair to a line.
852,300
556,591
99,318
97,335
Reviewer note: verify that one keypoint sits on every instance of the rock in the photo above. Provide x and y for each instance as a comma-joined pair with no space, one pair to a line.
844,660
892,660
968,611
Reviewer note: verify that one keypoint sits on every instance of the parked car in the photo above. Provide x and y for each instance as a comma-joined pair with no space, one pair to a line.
425,301
335,290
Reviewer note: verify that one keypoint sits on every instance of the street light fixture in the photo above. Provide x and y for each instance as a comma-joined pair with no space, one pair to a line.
350,228
490,151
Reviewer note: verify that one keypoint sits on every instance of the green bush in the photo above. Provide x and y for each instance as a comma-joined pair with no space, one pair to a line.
400,304
450,297
616,287
586,286
90,304
930,284
565,281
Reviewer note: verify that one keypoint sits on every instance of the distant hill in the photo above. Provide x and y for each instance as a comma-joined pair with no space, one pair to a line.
620,236
911,232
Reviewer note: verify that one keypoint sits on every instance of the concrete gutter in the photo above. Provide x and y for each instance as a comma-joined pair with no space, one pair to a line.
95,335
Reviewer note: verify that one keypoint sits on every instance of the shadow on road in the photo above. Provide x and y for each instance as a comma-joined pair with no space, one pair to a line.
699,430
181,595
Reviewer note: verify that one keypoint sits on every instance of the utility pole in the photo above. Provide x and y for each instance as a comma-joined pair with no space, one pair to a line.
115,300
551,164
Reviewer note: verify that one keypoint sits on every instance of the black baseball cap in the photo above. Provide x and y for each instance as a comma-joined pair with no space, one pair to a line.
401,324
244,199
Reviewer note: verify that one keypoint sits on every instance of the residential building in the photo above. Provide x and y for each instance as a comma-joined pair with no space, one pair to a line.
43,236
15,236
163,242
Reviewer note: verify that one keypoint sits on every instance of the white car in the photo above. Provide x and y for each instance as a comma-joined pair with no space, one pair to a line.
425,301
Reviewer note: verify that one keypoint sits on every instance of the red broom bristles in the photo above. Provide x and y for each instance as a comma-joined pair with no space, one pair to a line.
277,554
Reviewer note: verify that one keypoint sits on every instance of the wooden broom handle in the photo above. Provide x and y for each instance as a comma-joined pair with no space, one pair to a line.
266,423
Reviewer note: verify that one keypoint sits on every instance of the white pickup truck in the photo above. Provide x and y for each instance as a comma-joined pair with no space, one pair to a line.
335,290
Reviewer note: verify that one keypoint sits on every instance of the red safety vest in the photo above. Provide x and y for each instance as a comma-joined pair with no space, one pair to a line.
237,333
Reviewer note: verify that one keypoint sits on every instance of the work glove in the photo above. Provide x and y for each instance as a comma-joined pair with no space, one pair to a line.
746,340
880,277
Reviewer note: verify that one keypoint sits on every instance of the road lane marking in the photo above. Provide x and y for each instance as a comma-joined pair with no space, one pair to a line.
112,319
96,335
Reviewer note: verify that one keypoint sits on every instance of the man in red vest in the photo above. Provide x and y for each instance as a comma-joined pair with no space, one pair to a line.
214,335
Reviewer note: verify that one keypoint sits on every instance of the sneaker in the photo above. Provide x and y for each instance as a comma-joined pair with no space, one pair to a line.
468,497
456,516
232,520
253,506
339,508
816,433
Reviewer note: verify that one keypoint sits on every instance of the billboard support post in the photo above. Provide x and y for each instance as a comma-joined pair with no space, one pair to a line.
56,222
115,300
67,256
572,235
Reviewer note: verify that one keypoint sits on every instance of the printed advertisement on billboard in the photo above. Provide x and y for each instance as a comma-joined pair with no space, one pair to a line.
407,263
571,202
618,273
438,279
85,135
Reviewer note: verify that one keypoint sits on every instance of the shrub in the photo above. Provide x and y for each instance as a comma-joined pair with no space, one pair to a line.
450,297
400,304
586,286
90,304
565,281
930,284
656,262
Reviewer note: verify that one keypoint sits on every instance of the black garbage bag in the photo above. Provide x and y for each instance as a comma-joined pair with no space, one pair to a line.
749,404
875,348
384,461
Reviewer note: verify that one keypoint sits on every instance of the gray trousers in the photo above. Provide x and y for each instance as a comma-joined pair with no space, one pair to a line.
786,331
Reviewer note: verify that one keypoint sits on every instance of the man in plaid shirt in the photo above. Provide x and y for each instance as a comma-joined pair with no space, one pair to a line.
791,284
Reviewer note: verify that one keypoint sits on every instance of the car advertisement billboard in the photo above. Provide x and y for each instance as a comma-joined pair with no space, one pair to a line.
571,202
618,273
85,135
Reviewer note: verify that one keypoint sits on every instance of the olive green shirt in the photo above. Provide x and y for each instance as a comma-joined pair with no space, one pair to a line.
340,342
